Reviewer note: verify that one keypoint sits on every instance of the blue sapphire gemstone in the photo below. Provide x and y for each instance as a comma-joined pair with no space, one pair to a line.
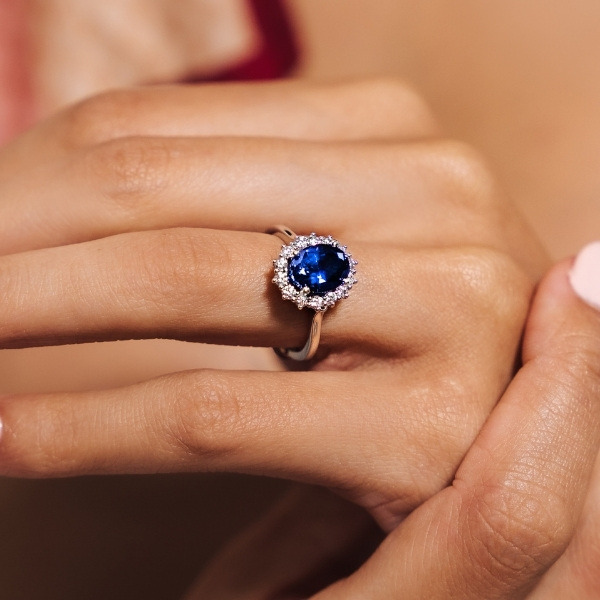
321,268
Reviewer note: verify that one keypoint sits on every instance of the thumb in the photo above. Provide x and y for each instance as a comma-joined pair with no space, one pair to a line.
558,311
512,508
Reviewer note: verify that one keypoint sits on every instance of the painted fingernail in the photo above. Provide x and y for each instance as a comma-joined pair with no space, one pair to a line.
585,275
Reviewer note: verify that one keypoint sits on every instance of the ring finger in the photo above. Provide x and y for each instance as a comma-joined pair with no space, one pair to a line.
248,184
215,286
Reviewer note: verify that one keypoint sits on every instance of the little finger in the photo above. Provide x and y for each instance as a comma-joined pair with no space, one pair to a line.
314,427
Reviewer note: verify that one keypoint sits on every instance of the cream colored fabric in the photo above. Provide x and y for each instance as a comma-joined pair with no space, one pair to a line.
81,47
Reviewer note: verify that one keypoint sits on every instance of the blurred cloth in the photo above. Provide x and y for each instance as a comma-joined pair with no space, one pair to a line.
54,52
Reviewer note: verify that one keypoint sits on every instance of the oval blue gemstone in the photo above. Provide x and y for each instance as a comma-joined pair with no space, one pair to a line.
321,268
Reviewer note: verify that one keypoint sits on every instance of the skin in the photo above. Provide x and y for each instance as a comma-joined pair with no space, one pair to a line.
139,180
515,523
529,171
179,430
515,501
133,249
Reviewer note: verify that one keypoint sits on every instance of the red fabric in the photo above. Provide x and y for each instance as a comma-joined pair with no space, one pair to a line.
16,100
278,53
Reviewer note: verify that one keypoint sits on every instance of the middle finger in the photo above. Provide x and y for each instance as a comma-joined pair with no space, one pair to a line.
248,184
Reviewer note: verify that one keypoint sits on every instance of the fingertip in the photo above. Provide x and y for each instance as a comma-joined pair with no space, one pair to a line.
567,300
584,275
571,281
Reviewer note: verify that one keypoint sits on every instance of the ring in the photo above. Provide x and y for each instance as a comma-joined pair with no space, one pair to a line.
314,272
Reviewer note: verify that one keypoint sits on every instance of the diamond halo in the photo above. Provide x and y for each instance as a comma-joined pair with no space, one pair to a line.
303,297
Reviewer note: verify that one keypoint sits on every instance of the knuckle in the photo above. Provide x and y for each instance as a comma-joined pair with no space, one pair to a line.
395,102
129,172
391,92
101,118
490,283
399,96
515,529
208,416
462,176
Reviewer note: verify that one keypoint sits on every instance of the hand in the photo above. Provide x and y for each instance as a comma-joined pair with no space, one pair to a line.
516,498
508,527
145,208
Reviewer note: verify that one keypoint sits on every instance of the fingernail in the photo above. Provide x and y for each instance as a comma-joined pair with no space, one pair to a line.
585,275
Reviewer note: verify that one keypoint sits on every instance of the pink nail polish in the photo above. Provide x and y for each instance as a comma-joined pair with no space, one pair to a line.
585,275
